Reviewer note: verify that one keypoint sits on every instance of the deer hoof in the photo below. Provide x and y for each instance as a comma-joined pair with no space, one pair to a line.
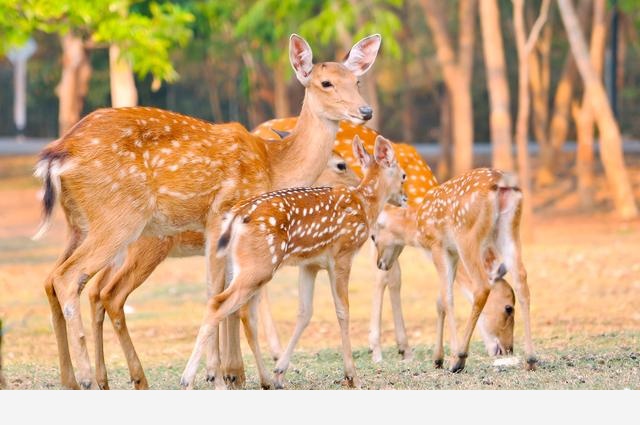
531,364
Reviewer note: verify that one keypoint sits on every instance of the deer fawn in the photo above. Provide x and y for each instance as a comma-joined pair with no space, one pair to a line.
139,265
131,172
397,228
475,219
496,323
315,228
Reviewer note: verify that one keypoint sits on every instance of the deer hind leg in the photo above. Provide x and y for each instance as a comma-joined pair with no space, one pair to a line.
143,256
268,325
232,362
339,278
67,377
445,262
242,288
472,260
306,283
97,323
69,279
249,317
380,284
511,250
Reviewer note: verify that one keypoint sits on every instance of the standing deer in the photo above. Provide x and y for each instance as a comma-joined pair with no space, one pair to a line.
397,228
475,219
496,322
139,265
131,172
315,228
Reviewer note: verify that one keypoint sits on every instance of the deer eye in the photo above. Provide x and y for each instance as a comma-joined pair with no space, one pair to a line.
404,176
326,84
373,238
342,166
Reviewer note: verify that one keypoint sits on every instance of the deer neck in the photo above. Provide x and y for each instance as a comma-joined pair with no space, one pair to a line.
302,156
369,192
410,224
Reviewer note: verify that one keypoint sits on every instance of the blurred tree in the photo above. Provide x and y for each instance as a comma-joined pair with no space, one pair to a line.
524,44
610,137
500,116
456,72
143,38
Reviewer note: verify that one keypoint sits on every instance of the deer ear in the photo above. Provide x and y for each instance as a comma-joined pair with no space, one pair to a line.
383,152
361,153
301,58
363,54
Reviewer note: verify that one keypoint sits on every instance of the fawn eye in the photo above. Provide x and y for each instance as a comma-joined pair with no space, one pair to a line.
373,238
342,166
326,84
404,176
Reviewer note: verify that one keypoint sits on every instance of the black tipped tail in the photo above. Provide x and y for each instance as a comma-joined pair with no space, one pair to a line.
225,237
48,198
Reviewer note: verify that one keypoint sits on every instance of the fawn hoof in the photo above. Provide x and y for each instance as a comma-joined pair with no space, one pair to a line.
265,385
103,385
376,356
140,383
406,354
438,363
278,379
351,382
531,363
458,365
235,378
211,378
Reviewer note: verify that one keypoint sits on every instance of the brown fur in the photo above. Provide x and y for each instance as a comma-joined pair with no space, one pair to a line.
317,228
134,172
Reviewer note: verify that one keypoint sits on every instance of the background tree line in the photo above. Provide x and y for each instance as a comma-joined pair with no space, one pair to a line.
451,72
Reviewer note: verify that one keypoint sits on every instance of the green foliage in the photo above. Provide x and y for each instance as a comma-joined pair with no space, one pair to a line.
145,36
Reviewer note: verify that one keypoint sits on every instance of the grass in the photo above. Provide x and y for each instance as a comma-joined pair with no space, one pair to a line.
584,273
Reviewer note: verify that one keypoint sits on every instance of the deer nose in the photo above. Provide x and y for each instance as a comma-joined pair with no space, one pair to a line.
366,112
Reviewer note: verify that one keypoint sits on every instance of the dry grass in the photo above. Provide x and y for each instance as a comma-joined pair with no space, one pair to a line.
584,272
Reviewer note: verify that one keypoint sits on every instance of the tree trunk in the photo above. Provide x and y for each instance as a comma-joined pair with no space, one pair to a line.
74,81
456,74
444,137
281,98
585,117
524,46
539,82
209,70
610,137
123,85
500,117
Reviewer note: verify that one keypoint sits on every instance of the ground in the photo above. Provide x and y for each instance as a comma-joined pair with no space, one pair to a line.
584,273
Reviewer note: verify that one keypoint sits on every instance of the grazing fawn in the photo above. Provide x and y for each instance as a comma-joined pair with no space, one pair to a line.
474,219
125,173
315,228
138,265
397,228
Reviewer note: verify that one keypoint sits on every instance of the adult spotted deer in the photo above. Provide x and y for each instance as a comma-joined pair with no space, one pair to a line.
397,228
474,219
112,287
315,228
131,172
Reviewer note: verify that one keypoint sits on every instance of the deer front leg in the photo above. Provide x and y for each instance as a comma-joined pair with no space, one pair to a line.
474,265
395,283
445,263
268,325
438,352
306,282
376,315
339,278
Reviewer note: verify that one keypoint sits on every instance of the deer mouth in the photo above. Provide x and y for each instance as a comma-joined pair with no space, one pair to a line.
355,119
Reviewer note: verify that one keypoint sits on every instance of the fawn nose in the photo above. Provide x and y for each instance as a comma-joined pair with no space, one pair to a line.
366,112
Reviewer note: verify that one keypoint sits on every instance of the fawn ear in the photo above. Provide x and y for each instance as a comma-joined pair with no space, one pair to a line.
363,54
383,152
361,153
301,58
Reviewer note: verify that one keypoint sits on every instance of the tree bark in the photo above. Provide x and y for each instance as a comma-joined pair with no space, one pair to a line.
585,117
209,70
444,137
524,44
281,98
456,75
539,70
610,137
500,115
74,81
122,82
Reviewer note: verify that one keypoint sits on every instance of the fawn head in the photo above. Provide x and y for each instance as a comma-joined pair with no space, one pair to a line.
390,234
498,319
337,172
331,87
